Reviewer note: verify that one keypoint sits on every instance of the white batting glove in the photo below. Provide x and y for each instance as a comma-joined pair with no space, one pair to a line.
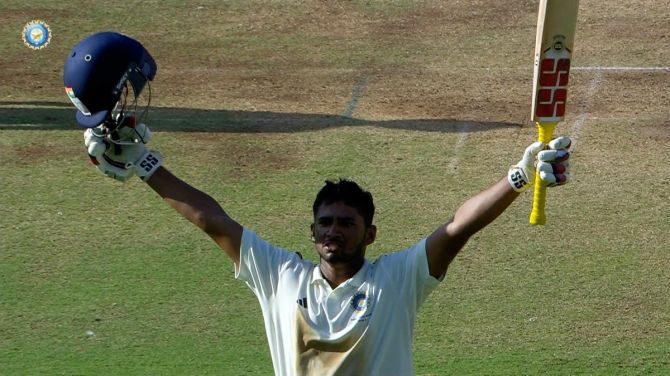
551,164
554,164
522,175
122,154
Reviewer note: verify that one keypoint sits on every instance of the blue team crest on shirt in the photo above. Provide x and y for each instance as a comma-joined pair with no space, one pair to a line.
359,302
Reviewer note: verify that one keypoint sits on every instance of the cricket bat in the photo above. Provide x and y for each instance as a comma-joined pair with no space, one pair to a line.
556,23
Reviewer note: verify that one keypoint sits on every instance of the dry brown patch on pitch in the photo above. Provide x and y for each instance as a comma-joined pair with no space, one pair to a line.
660,131
429,94
623,94
33,153
245,154
296,91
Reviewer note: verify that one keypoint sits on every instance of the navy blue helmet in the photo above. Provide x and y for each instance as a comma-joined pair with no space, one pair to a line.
97,70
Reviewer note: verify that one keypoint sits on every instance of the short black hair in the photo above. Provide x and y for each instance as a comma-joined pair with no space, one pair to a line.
348,192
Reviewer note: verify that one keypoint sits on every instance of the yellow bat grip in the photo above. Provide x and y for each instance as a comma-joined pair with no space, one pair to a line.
545,132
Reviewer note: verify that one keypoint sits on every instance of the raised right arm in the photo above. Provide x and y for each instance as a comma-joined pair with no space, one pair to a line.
199,208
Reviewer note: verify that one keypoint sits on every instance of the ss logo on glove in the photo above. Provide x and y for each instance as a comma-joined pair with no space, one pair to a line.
518,179
149,162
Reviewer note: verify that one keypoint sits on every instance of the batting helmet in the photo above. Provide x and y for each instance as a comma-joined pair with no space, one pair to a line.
97,70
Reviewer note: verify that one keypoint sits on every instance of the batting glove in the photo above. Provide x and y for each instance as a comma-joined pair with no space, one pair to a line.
121,154
552,165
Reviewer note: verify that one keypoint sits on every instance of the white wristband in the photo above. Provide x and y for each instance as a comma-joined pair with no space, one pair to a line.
147,164
517,179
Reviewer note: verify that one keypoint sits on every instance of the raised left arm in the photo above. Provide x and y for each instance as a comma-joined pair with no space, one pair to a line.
446,241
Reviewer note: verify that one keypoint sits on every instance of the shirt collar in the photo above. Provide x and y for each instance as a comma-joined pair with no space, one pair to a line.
355,281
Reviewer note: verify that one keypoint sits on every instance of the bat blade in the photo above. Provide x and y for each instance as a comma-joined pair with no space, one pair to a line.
554,41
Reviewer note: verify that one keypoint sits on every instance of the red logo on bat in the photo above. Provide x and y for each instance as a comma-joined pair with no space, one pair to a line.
553,93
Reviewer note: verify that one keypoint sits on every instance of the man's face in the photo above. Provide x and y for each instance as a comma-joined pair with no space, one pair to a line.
340,234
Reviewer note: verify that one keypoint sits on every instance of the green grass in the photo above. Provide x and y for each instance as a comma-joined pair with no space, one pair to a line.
248,109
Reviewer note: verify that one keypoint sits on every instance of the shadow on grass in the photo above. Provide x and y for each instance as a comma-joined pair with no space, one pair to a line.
60,115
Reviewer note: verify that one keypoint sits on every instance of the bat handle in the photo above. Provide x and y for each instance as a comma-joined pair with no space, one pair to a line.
545,132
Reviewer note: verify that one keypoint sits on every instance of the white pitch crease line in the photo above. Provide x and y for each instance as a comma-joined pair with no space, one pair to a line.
356,95
463,132
581,120
623,69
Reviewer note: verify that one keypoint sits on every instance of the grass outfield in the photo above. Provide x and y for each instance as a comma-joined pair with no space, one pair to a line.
257,103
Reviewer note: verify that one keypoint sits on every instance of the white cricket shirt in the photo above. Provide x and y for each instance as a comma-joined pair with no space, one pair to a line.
363,327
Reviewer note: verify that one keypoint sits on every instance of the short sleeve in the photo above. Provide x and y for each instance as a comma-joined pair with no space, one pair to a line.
410,269
261,264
